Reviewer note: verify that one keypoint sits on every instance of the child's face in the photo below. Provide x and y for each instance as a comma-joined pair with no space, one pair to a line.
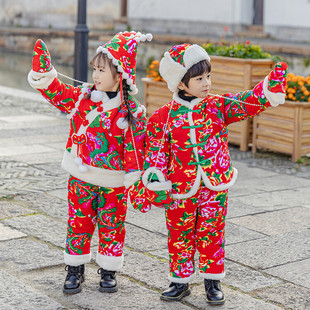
198,86
103,77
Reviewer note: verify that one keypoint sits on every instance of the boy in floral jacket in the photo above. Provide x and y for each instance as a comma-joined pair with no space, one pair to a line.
188,167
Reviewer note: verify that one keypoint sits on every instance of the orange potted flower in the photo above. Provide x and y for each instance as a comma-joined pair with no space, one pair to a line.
286,129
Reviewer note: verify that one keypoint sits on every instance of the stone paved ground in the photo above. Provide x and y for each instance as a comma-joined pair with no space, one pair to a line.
268,228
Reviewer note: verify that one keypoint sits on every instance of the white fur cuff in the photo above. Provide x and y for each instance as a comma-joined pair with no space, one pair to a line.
41,80
274,98
131,178
213,276
111,263
152,171
181,280
160,186
76,260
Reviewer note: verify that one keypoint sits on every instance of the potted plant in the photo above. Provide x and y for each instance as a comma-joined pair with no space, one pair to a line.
286,129
235,68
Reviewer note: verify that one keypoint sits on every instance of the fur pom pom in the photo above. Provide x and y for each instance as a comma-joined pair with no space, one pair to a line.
96,96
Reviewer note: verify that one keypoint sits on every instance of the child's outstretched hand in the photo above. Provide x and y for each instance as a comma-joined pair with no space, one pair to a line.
41,61
275,84
42,72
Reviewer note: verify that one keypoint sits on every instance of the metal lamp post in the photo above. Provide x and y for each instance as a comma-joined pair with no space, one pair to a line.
81,44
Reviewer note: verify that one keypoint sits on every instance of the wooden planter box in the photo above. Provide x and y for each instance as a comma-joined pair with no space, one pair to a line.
228,75
284,129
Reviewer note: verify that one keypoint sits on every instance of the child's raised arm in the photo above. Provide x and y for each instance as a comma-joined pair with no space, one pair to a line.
269,92
43,77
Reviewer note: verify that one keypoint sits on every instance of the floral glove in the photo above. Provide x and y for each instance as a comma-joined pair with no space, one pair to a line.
275,84
136,197
158,190
43,72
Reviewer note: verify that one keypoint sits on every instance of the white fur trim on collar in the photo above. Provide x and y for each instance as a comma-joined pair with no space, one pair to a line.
188,104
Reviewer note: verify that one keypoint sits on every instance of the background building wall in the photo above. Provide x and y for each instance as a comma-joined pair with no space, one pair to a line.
194,17
287,20
57,14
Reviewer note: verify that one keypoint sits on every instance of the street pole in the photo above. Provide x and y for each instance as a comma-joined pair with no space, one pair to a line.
81,44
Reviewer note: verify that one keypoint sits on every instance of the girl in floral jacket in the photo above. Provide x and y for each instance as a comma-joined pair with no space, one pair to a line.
188,167
104,152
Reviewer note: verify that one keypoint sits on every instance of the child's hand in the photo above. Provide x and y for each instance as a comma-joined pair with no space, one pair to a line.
158,190
42,73
41,61
275,84
136,197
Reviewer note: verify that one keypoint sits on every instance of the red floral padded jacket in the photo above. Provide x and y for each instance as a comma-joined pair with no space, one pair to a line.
101,148
194,146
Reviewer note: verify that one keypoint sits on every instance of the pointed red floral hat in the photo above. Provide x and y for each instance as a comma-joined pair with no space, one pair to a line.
122,50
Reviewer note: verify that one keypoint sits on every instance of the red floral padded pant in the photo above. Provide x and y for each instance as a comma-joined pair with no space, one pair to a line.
90,205
197,223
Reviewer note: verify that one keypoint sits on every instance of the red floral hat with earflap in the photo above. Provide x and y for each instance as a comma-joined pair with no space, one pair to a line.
178,60
122,49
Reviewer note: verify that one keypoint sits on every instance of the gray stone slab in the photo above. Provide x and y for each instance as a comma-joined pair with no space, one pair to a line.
54,168
12,209
24,125
246,173
247,279
237,207
271,251
143,240
7,233
235,234
131,294
234,300
288,295
296,272
41,227
9,151
154,220
29,140
14,294
47,204
270,201
25,255
276,222
60,193
50,157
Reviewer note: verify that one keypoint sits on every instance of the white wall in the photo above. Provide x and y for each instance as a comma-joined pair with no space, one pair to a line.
56,13
219,11
288,13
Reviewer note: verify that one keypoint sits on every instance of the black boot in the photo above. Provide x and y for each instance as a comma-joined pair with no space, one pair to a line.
214,292
108,281
74,279
176,291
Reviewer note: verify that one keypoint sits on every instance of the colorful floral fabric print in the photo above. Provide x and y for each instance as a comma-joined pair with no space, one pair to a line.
41,61
195,143
197,223
95,135
89,205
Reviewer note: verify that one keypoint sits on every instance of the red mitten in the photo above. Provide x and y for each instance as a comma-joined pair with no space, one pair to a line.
275,83
158,189
159,198
41,61
42,73
136,197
